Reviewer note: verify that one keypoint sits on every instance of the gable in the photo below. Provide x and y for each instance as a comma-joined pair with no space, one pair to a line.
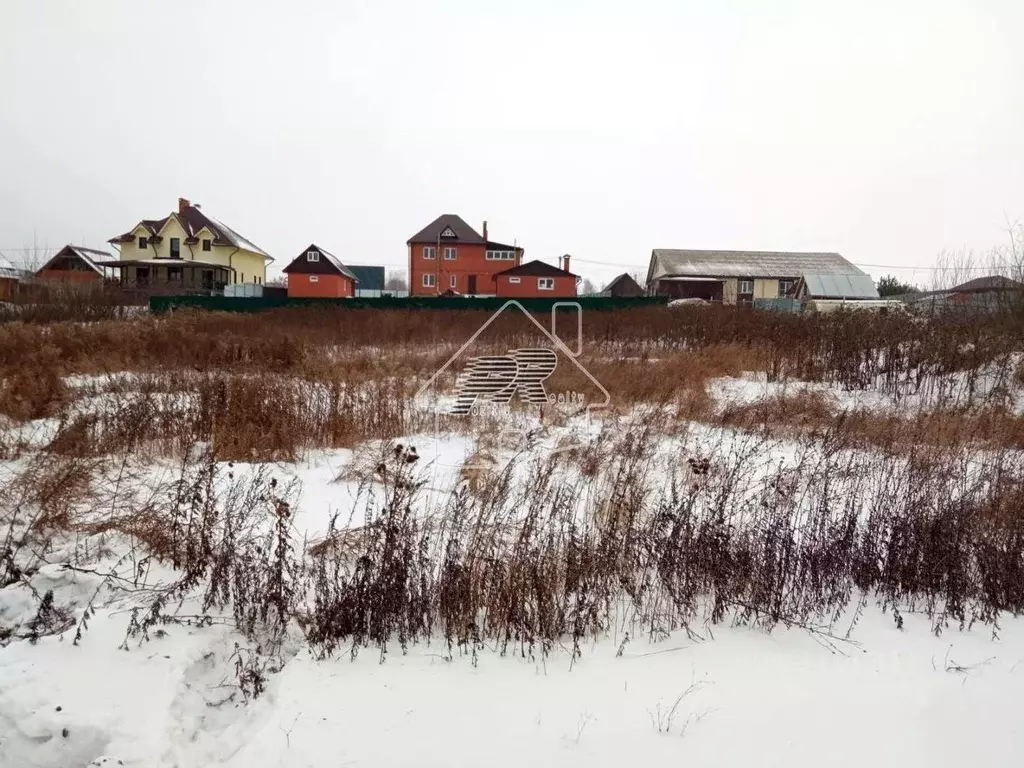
325,263
448,227
75,258
172,228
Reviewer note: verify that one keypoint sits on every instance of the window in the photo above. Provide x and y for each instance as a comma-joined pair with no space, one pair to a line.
312,255
174,274
429,280
746,286
207,245
545,283
513,279
448,232
452,281
314,278
242,279
500,255
429,252
175,248
785,287
449,254
142,243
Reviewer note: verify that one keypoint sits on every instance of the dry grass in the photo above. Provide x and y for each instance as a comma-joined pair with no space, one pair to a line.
270,386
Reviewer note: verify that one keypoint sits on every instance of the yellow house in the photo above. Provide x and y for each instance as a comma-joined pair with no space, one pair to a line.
188,250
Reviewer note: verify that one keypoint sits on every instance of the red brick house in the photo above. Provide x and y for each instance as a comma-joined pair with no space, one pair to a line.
537,280
74,264
449,255
317,274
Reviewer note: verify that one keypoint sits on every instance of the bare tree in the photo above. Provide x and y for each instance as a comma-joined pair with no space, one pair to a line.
587,287
1007,258
32,257
953,268
396,282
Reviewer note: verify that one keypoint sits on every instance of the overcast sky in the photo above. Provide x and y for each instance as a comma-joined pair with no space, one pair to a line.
884,130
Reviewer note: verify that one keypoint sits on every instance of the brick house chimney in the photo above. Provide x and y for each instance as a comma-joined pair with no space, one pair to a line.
485,231
565,262
183,204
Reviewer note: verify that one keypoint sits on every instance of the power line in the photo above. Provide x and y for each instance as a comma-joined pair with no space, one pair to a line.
641,267
855,263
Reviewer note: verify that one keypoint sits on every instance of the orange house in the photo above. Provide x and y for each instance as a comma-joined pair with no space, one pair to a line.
537,280
74,264
449,255
317,274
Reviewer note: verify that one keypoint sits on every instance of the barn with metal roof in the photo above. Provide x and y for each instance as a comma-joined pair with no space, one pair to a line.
740,277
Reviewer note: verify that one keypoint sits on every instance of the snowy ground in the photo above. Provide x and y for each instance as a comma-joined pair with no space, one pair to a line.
738,696
894,698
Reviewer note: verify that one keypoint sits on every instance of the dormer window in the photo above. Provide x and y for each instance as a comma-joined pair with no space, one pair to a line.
448,232
312,255
142,243
207,245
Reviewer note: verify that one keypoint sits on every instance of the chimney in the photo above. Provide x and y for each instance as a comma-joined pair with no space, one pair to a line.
183,204
565,262
485,231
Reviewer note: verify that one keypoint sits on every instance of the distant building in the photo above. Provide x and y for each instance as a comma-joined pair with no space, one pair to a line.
739,277
369,281
982,294
537,280
75,264
316,273
623,286
449,256
10,276
187,250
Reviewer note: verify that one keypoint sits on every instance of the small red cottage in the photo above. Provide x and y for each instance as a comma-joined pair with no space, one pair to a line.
537,280
317,274
74,264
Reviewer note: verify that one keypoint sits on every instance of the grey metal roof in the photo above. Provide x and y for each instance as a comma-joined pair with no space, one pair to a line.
763,264
369,278
89,256
840,286
8,270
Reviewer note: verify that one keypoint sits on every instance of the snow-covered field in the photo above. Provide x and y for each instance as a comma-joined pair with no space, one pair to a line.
744,697
867,688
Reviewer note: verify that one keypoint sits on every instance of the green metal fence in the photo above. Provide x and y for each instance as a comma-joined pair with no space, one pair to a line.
160,304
